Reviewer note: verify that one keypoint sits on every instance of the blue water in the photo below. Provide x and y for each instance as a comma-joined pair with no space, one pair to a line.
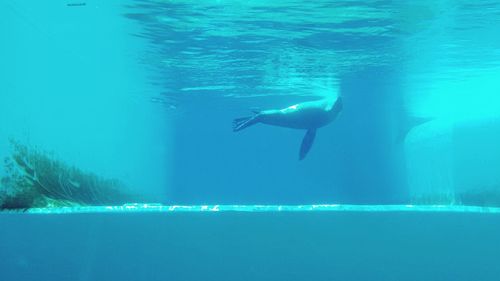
390,62
145,92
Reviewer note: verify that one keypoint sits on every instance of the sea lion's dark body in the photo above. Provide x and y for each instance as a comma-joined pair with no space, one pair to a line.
308,116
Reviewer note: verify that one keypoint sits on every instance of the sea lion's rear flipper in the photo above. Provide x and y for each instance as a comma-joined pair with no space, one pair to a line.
307,143
241,123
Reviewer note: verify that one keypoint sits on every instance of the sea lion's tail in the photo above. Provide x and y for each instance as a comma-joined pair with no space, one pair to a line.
241,123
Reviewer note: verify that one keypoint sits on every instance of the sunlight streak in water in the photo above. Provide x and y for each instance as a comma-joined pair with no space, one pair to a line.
158,208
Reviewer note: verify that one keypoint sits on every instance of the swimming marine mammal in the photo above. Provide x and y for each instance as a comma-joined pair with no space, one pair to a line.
308,116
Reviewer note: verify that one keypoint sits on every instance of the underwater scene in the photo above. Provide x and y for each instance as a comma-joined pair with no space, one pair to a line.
250,140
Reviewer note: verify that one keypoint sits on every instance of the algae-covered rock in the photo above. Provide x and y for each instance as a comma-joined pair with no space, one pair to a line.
36,179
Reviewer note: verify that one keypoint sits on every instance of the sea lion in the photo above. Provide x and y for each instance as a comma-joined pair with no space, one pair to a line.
309,116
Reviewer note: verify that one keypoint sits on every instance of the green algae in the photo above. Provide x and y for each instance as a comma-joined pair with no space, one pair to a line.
36,179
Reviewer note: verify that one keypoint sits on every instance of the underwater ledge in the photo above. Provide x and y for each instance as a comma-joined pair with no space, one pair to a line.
159,208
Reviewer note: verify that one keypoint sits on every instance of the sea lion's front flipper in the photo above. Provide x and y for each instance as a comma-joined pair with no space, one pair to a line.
307,143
